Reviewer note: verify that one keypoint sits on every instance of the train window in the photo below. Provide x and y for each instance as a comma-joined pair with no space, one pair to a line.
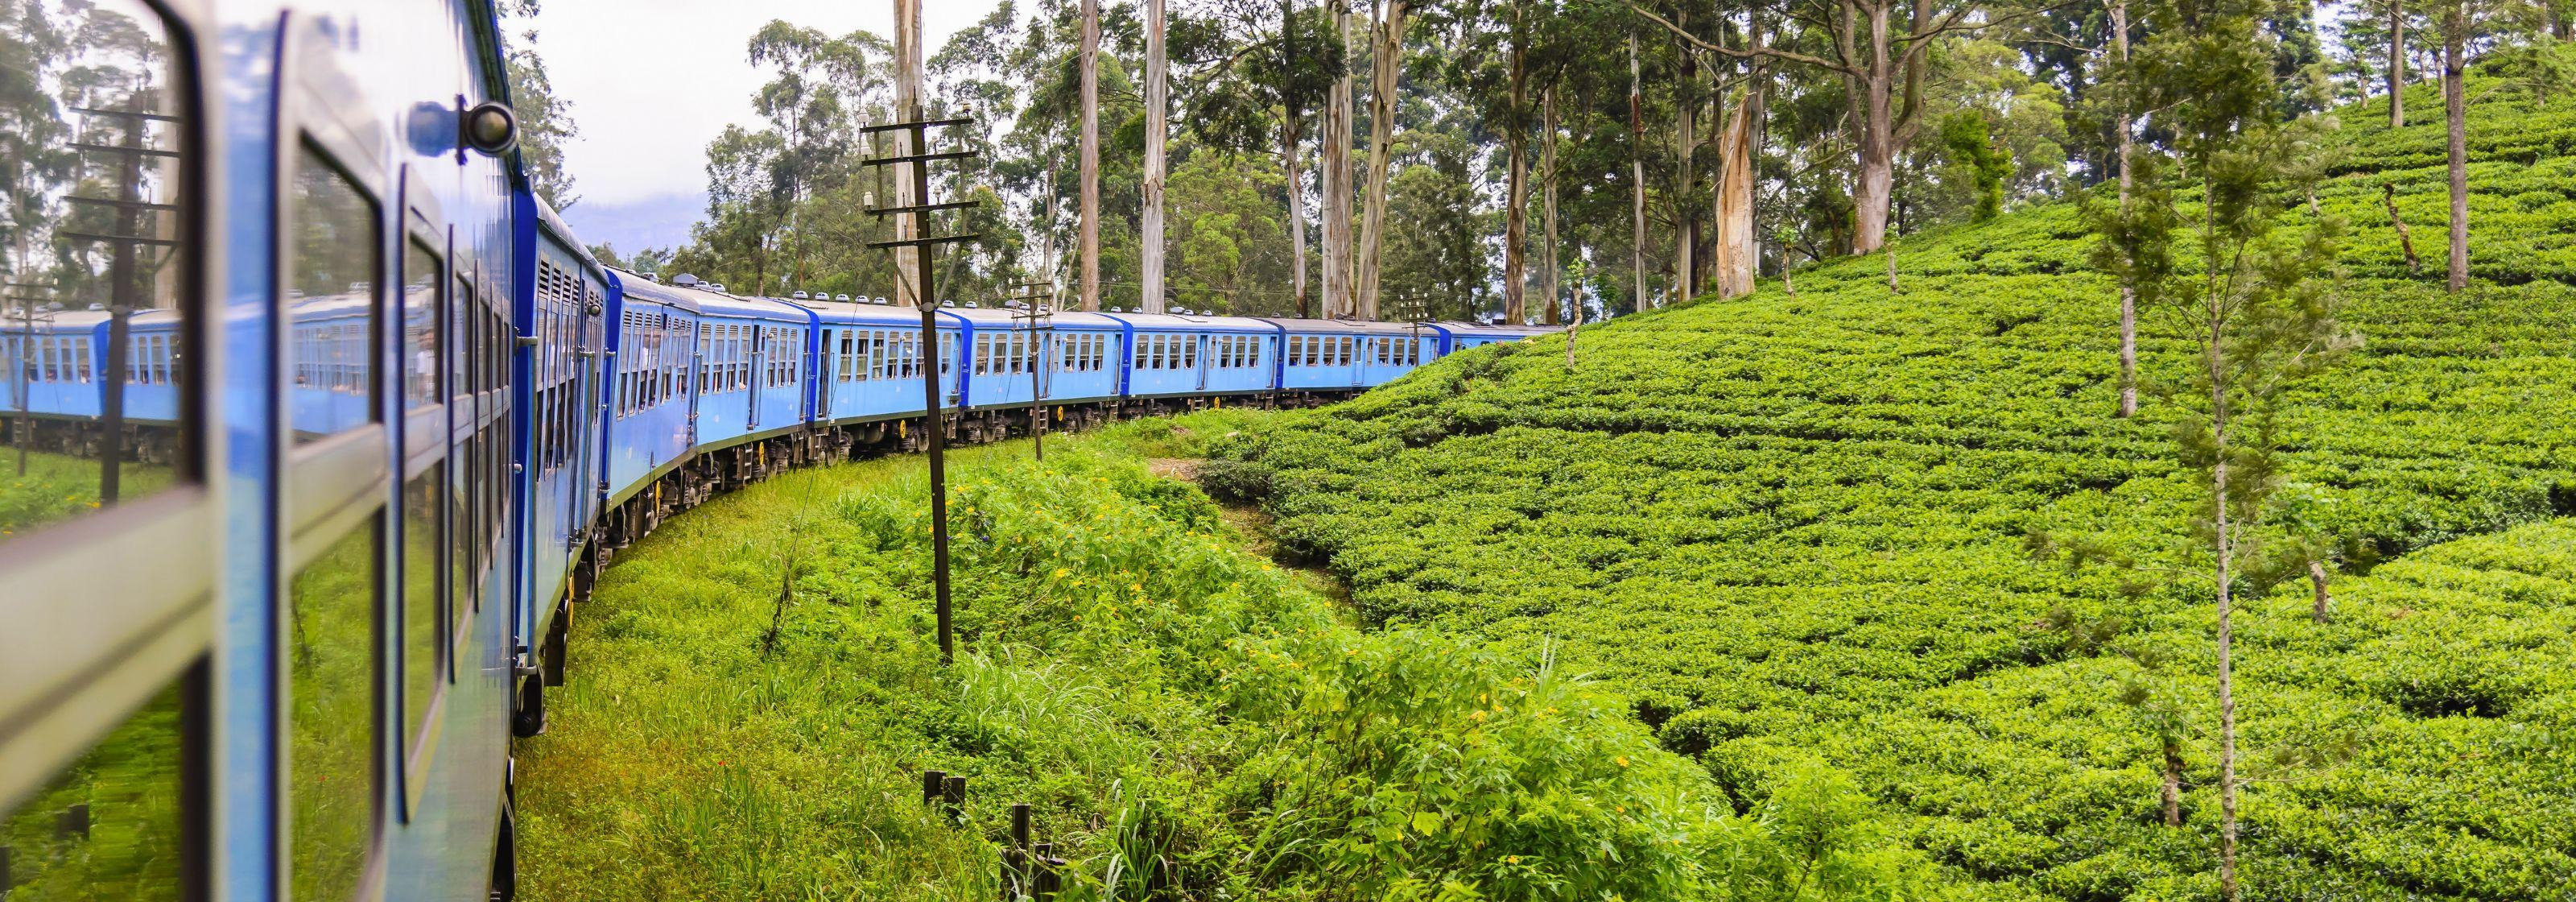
107,826
420,308
423,604
331,612
983,354
102,222
331,290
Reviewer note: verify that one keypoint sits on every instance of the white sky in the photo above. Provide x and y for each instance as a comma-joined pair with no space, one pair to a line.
652,81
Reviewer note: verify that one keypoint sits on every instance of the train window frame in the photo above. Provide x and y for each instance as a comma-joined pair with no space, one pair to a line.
425,441
345,482
72,675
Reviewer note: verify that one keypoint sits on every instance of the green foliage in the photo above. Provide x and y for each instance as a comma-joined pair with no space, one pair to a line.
1970,145
1168,703
60,486
1793,530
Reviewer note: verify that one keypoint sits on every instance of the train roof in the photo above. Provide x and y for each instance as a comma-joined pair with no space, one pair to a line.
716,304
563,233
1351,326
81,320
330,304
1179,321
1007,318
637,286
1485,331
871,314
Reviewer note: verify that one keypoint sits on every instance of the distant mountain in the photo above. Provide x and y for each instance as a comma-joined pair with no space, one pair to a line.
662,221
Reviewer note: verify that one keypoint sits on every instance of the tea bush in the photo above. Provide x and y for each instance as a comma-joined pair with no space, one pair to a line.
1793,531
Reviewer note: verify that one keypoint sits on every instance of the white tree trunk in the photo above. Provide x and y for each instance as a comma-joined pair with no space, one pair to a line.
1636,177
1685,149
2455,28
1516,203
1157,97
1337,188
1386,64
1547,191
1733,258
1872,100
2128,292
1296,214
2396,64
1090,154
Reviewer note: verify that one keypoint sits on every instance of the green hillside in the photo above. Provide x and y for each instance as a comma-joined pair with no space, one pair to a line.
1793,528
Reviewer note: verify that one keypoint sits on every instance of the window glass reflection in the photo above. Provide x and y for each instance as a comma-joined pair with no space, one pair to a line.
422,637
108,827
420,310
92,346
331,719
330,301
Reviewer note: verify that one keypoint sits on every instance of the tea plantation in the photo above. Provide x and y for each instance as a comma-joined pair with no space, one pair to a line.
1794,531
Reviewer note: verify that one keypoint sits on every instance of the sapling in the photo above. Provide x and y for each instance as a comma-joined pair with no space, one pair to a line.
2256,315
1575,279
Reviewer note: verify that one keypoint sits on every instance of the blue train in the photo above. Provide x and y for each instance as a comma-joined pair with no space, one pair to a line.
319,425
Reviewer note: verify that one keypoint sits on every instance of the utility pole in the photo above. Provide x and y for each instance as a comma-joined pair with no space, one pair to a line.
1037,306
1090,154
912,218
124,270
1157,96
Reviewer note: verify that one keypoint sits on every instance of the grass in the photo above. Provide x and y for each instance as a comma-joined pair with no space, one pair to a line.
1188,720
59,486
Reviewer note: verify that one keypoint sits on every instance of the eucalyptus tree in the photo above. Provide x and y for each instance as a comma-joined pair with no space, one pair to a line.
816,83
1257,69
35,164
545,121
1878,50
1386,64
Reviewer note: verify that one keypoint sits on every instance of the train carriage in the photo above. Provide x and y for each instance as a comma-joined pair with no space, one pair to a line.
305,270
53,361
653,376
1014,357
869,364
1342,355
1168,354
753,352
1456,337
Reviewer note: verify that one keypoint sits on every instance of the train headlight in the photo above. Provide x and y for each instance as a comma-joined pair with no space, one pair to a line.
491,127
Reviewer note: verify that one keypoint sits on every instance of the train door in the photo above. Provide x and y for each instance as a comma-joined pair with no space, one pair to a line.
759,353
111,565
1200,360
589,324
421,588
701,361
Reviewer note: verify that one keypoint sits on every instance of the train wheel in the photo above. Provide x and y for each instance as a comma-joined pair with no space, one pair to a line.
528,717
558,639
